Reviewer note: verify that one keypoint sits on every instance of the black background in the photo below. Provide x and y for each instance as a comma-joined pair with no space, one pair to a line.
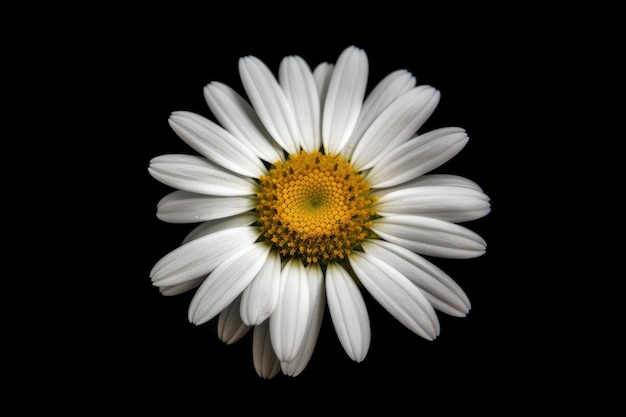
119,343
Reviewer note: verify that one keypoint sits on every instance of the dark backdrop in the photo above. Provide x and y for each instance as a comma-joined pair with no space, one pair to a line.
124,343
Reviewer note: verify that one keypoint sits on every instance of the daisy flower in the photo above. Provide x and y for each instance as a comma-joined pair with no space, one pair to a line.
308,193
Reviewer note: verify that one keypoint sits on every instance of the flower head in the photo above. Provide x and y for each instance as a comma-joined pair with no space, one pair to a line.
308,193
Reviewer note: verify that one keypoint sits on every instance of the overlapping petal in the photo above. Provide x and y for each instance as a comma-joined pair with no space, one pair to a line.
416,157
199,175
230,327
212,226
428,180
440,290
266,364
348,312
397,294
289,322
260,298
451,203
237,115
298,83
317,302
322,74
176,289
185,207
344,99
201,256
382,95
394,126
431,237
227,282
270,103
216,144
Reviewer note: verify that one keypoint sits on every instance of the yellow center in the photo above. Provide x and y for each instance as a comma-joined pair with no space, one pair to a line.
314,206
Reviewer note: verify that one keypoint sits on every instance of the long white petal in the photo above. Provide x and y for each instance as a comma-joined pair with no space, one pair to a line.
431,237
317,304
297,81
199,175
442,292
348,312
226,282
394,126
239,118
212,226
269,102
260,298
443,180
266,364
344,98
399,296
450,203
384,93
216,143
230,328
177,289
417,156
289,321
200,256
186,207
322,74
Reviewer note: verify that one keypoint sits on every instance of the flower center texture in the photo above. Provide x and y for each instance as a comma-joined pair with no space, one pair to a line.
314,206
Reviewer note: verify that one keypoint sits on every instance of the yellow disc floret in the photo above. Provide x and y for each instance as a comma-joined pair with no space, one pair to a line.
314,206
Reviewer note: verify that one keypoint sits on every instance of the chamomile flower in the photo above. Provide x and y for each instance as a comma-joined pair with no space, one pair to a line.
308,193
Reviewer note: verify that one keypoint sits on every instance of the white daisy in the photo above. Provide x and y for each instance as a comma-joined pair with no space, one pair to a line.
310,193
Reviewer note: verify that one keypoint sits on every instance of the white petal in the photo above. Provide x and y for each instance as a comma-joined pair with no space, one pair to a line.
297,81
394,126
322,74
317,304
386,91
266,364
177,289
450,203
270,103
260,298
444,180
396,294
417,156
212,226
431,237
348,312
199,175
226,282
344,99
200,256
216,144
239,118
289,321
442,292
230,328
186,207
